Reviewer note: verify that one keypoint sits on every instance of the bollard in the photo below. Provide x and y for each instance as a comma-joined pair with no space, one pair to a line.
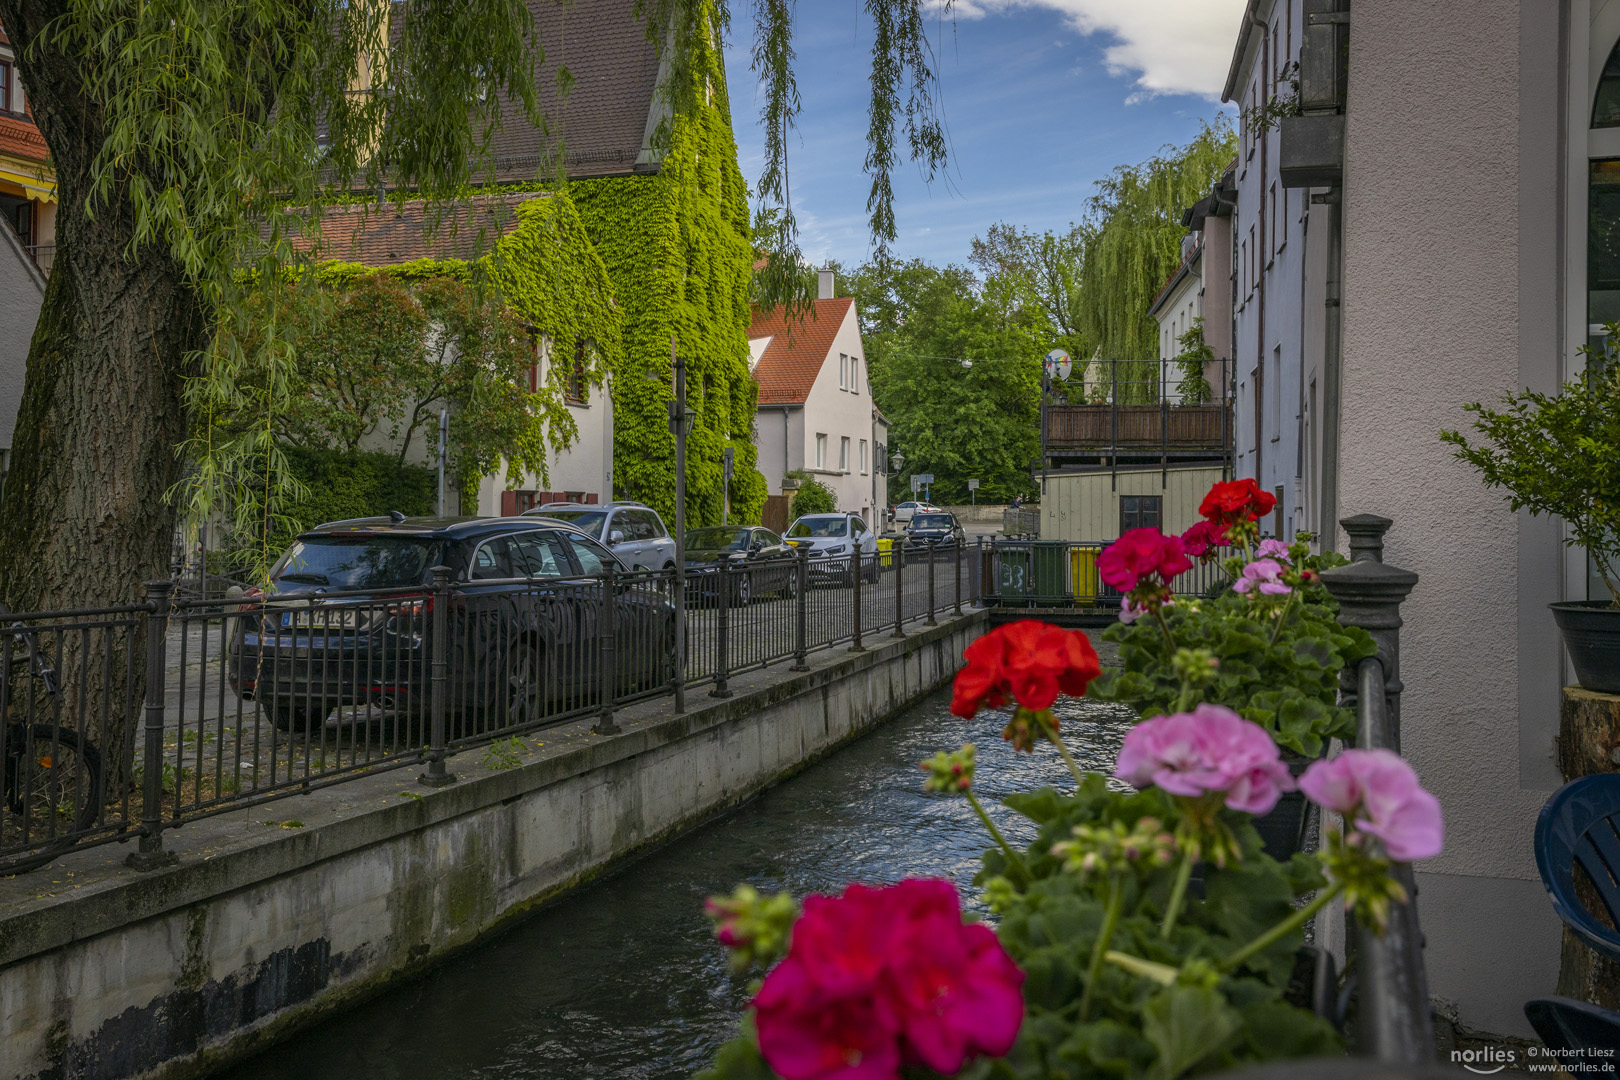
607,651
800,648
722,631
855,584
150,854
439,665
899,551
1369,592
933,551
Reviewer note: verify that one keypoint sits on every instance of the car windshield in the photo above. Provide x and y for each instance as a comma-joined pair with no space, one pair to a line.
589,520
716,539
931,521
355,562
828,526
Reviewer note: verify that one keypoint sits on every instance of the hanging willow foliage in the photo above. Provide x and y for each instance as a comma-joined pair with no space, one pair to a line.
902,114
1131,244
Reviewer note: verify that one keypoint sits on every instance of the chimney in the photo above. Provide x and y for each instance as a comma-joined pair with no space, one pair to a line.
825,289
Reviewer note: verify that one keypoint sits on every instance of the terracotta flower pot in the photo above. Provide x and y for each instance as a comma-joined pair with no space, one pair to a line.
1591,631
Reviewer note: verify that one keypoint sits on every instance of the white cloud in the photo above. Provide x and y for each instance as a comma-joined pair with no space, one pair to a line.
1166,46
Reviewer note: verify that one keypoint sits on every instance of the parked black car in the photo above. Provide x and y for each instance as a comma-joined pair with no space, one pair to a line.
760,563
345,621
934,527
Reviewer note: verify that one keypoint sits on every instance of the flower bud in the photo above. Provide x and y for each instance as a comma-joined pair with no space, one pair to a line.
754,928
950,772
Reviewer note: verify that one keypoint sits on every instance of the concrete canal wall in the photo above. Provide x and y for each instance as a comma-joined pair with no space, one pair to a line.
277,915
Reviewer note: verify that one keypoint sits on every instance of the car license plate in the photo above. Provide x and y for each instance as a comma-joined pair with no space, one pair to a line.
319,618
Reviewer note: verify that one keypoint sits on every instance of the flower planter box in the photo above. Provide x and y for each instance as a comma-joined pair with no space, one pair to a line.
1591,630
1283,830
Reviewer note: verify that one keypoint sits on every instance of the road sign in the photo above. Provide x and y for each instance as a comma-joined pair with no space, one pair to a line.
730,457
916,484
973,485
924,478
1058,365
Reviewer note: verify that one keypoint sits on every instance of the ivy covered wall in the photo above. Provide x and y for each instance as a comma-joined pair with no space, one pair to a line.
677,248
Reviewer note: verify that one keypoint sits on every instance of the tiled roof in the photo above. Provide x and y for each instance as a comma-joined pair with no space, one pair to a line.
793,359
603,122
20,138
385,234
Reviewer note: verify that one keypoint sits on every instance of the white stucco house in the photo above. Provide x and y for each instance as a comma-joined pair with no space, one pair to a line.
815,402
1373,300
1177,308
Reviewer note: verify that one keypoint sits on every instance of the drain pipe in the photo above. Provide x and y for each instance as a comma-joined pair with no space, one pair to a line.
1332,369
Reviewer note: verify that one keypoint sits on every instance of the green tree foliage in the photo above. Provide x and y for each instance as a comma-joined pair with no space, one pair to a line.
336,485
957,421
813,497
1193,364
1130,244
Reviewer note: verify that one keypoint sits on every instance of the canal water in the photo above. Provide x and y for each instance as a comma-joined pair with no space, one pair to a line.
622,978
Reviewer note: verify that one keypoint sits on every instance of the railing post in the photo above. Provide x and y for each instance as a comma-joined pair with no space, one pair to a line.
800,645
722,632
150,854
956,562
933,553
855,586
1369,592
1395,1013
439,668
898,549
608,649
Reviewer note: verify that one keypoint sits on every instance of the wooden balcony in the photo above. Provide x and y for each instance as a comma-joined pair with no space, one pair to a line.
1140,428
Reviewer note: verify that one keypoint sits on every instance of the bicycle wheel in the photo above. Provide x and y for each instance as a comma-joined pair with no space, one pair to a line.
57,785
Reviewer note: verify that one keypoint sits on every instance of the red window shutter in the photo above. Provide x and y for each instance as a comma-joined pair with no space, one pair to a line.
508,504
590,499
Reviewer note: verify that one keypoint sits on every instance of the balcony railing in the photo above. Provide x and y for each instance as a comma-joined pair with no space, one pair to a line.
1138,427
43,255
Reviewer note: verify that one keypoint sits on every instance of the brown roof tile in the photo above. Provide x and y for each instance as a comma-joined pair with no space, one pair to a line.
789,366
386,234
603,122
22,139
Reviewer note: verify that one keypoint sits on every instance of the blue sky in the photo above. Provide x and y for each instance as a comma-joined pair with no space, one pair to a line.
1041,98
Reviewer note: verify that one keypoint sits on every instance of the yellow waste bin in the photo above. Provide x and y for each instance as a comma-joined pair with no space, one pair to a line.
1083,574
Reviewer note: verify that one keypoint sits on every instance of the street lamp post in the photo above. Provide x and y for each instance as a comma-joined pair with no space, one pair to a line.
680,422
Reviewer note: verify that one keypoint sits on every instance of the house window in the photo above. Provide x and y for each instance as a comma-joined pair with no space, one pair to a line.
1272,206
1282,235
1275,419
1139,512
533,384
854,374
821,451
843,371
843,454
863,457
5,86
575,390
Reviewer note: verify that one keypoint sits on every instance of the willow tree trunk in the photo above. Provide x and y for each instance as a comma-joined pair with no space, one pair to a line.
83,520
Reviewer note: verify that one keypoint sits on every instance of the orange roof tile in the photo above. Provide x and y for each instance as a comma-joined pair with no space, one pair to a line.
21,138
789,366
389,234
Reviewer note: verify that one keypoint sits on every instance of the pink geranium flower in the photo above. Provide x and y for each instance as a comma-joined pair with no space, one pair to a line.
880,978
1378,794
1203,538
1209,749
1265,575
1273,549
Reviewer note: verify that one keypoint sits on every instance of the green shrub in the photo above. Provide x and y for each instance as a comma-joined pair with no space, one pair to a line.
813,497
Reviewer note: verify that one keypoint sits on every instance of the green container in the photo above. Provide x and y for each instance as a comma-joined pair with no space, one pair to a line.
1049,573
1014,581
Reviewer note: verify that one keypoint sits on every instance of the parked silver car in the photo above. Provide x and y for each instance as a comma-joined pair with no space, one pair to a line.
830,538
633,531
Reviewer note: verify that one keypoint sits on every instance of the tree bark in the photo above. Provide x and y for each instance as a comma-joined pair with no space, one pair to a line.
84,520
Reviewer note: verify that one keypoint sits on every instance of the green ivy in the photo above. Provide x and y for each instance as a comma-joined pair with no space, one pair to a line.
337,485
678,252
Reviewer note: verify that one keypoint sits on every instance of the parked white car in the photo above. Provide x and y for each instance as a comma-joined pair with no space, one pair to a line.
901,514
633,531
831,539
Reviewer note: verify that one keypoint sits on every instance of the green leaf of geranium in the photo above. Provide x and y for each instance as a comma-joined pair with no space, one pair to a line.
1186,1024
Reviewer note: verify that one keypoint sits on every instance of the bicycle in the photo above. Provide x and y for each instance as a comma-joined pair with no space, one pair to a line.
51,780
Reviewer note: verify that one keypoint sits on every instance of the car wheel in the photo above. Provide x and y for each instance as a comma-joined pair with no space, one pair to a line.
292,719
742,593
790,583
523,683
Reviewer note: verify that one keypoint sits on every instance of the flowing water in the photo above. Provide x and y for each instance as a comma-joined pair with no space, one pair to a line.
622,978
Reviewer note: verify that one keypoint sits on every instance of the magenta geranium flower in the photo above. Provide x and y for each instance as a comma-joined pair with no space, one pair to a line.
1142,553
1203,538
1378,794
878,978
1209,749
1265,575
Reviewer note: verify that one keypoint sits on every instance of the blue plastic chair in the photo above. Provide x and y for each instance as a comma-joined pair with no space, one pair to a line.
1581,824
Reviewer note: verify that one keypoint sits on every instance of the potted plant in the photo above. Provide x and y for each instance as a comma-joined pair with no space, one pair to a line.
1556,454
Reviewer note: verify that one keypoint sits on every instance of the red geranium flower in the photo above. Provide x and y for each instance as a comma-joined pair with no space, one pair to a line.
1028,661
1202,538
1142,553
883,977
1236,500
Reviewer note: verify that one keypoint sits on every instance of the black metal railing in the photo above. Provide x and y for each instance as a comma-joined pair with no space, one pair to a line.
195,704
1063,573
